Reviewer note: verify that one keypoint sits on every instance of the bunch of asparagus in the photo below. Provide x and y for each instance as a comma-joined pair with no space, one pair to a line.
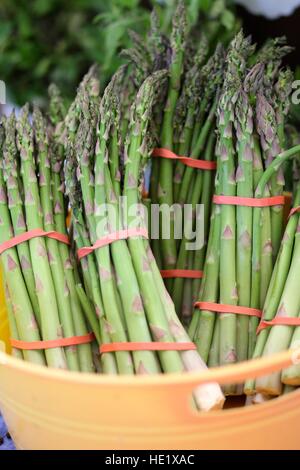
40,275
122,280
243,241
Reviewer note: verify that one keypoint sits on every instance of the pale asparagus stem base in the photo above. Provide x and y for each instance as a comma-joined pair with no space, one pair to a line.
260,398
291,375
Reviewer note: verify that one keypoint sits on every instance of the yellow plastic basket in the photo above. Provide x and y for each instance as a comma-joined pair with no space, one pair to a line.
52,409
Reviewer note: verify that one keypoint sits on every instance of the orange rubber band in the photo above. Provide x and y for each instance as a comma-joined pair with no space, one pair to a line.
55,343
223,308
112,237
294,211
151,346
285,321
249,201
188,161
26,236
184,273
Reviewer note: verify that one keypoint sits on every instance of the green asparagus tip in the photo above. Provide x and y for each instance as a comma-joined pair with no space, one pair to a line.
179,30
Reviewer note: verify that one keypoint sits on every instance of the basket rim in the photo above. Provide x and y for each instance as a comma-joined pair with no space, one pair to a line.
225,374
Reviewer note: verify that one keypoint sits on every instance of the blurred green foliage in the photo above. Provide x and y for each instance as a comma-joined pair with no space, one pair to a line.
42,41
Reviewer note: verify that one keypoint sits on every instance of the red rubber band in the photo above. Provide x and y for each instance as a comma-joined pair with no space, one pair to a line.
55,343
184,273
188,161
223,308
249,201
26,236
112,237
294,211
151,346
285,321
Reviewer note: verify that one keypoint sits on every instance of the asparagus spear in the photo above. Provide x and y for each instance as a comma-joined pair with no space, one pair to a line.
186,111
208,187
236,62
244,179
137,151
165,187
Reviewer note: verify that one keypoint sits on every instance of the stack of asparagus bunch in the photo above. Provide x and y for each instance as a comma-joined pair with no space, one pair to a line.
121,279
243,241
39,273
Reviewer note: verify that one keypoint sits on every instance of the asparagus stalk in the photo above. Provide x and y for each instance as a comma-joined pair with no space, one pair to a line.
202,325
206,197
236,61
186,111
165,187
244,179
